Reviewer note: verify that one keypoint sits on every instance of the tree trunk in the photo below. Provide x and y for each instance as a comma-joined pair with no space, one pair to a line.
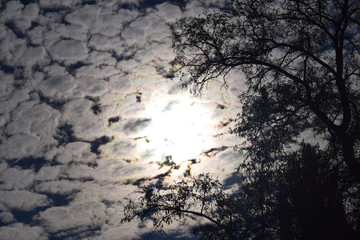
349,155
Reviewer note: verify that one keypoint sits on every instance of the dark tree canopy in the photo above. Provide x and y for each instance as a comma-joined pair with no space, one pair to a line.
301,60
302,63
202,197
301,198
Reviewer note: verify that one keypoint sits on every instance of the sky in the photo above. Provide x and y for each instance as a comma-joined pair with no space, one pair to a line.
88,115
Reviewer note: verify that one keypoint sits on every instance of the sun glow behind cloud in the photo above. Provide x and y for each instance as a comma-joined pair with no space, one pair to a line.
181,127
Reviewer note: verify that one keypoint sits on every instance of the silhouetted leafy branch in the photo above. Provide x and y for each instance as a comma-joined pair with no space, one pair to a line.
301,61
201,197
302,196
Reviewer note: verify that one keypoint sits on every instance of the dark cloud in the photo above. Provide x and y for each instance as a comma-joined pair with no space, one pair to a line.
58,199
153,3
95,144
32,163
65,134
134,125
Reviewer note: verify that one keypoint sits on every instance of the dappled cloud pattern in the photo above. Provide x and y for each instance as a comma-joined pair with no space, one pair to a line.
81,84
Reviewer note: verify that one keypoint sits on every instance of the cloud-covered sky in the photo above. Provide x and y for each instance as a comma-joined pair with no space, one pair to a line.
87,115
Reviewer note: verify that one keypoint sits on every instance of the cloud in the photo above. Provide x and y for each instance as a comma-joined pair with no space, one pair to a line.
33,56
11,47
94,86
69,51
85,123
75,218
98,58
132,126
222,165
75,152
20,145
50,4
126,233
6,216
60,86
105,43
48,173
169,12
86,16
37,119
77,80
60,187
23,200
13,178
22,232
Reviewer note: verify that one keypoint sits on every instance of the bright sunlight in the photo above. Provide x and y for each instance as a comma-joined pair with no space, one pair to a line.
180,127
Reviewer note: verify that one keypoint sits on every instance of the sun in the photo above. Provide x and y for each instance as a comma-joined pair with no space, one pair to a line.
181,127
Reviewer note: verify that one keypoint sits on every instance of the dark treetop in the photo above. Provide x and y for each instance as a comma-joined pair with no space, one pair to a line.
301,60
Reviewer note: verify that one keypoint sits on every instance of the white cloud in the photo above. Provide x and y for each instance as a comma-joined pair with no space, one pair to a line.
12,10
11,48
13,178
94,85
101,72
126,232
20,145
145,29
20,231
48,173
121,148
24,18
116,170
53,4
110,24
6,86
50,36
78,172
104,43
62,187
61,86
85,16
9,102
23,200
72,31
78,216
55,70
6,217
169,12
3,166
75,152
32,56
101,58
86,124
69,51
222,165
30,12
37,119
36,35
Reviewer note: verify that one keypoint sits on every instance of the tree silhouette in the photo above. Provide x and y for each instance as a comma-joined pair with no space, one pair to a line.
312,190
301,60
303,196
202,197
